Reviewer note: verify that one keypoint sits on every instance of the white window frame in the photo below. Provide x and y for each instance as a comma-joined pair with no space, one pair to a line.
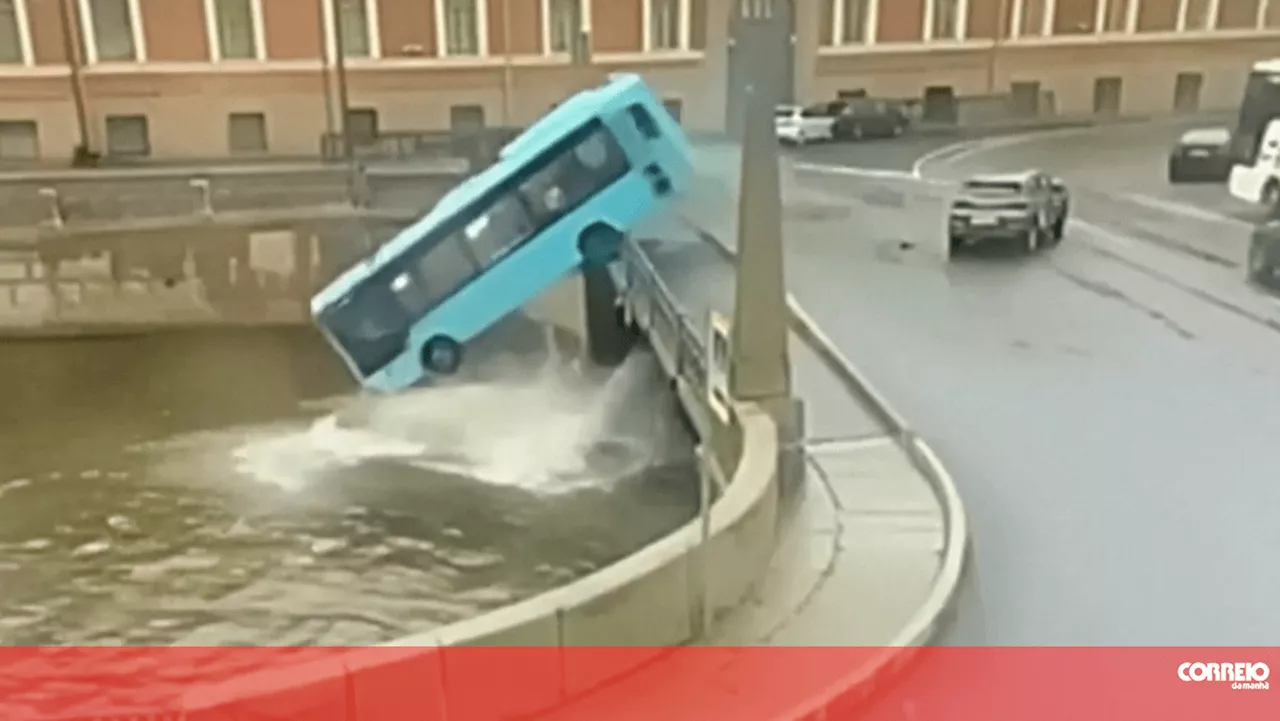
91,34
686,14
584,15
371,28
259,32
1131,17
962,22
838,36
22,20
1263,7
482,31
1184,6
1046,22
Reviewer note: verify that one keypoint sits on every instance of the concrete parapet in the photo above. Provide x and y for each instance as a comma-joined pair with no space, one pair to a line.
658,583
744,522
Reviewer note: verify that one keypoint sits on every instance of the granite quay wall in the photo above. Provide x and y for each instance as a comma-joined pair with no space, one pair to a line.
133,249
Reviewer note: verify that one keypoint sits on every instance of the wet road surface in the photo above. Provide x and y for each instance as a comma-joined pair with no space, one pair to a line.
224,487
703,282
1112,433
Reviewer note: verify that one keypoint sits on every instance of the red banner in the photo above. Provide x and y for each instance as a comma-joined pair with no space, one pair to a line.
765,683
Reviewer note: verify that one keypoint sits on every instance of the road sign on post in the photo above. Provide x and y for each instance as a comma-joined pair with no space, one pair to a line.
718,361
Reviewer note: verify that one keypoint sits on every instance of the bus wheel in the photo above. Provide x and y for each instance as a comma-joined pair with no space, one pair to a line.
599,245
442,355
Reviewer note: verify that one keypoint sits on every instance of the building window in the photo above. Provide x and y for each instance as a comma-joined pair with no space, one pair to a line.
1197,15
114,34
1024,97
354,21
562,19
1116,19
667,25
1032,18
675,108
1106,96
756,9
14,41
944,20
462,27
247,133
19,140
128,136
466,118
1186,92
855,22
235,25
363,125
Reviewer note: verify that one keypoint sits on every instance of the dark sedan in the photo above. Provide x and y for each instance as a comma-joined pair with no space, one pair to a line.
1201,156
860,118
1264,255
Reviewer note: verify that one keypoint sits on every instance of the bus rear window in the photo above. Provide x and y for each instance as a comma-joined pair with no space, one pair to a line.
644,122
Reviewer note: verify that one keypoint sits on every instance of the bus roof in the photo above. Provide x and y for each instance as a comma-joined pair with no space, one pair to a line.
559,121
1267,66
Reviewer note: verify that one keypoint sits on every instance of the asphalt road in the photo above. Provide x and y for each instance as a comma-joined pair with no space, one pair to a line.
1108,410
703,282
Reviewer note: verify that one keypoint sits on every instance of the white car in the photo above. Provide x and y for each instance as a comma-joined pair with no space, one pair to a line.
799,125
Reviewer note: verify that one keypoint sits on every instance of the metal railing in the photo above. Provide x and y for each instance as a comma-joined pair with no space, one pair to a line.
63,200
672,334
477,148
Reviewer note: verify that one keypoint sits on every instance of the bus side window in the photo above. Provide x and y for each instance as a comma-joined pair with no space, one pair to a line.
503,226
644,122
571,178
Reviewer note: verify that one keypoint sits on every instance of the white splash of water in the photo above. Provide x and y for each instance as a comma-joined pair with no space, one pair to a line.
292,458
534,433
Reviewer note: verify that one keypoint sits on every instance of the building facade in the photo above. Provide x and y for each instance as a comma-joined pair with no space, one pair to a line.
200,78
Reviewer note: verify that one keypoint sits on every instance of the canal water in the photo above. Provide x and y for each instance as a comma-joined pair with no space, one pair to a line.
230,487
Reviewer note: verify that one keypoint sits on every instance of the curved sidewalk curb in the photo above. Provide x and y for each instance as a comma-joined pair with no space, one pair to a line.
927,621
952,152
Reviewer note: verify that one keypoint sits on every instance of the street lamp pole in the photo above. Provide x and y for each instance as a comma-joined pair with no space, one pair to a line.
508,72
326,79
340,66
71,35
355,188
993,55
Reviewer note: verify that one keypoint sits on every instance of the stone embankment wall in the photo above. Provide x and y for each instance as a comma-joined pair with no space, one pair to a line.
109,251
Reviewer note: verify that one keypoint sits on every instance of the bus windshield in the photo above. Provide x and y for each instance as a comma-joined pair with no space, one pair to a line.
372,323
1261,105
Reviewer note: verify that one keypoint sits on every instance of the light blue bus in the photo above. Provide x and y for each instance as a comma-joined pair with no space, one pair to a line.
562,195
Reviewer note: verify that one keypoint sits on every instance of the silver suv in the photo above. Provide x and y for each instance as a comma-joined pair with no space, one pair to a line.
1030,207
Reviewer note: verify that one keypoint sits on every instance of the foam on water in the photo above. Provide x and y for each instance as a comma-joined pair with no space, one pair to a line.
537,433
